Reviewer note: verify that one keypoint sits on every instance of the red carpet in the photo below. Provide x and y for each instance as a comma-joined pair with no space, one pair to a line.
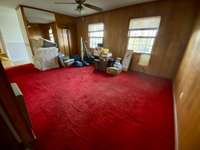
79,109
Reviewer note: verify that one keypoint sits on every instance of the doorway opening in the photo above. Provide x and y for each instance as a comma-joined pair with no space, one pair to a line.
66,40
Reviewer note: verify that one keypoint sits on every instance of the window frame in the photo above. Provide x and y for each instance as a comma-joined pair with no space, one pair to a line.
89,37
143,37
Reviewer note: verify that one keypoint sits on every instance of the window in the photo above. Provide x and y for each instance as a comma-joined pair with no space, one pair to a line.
142,34
51,37
95,34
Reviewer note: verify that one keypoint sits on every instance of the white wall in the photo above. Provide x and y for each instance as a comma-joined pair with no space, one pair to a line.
12,35
24,34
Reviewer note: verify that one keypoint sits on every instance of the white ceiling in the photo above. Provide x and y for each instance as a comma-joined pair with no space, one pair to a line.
37,16
70,9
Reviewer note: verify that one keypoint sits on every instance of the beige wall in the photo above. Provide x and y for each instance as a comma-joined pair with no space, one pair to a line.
176,26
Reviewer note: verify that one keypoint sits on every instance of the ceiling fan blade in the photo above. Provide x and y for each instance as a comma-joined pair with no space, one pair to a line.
64,3
92,7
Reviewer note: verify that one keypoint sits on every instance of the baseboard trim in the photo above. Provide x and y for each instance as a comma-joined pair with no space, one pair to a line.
176,131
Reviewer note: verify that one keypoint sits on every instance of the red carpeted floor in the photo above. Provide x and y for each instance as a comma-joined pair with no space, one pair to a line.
79,109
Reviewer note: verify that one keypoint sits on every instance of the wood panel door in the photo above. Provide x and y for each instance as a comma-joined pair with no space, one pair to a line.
66,41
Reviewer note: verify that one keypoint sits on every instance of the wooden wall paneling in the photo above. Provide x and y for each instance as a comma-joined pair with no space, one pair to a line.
183,20
45,30
40,30
34,31
176,25
187,93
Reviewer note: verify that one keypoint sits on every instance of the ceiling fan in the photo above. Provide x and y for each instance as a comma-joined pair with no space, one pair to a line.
81,4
